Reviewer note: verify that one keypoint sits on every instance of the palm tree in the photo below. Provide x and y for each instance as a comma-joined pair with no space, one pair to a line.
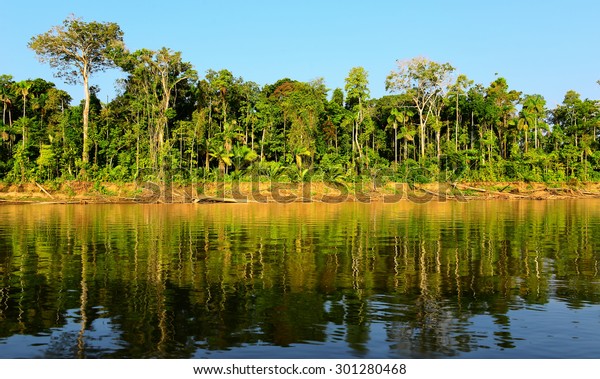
393,122
218,151
524,123
436,124
407,133
6,102
229,133
242,154
23,88
300,152
534,106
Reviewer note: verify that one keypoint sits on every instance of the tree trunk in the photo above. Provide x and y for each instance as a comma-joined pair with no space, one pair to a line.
207,157
24,132
262,145
456,125
86,112
437,143
353,146
252,137
24,122
471,137
422,123
395,144
137,156
422,136
536,133
336,141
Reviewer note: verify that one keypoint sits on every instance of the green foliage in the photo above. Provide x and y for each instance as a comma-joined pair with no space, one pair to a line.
101,189
76,50
46,162
169,124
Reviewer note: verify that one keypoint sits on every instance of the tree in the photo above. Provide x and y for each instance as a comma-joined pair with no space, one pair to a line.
524,124
402,116
293,112
534,109
242,155
23,88
335,113
357,94
6,85
425,81
155,77
77,49
458,89
500,104
217,151
223,85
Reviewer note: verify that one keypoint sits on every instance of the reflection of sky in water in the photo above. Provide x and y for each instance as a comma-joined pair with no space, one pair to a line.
538,332
533,331
99,339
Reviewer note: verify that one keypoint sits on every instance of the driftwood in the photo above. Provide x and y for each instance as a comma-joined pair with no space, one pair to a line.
464,186
42,188
438,194
210,199
589,193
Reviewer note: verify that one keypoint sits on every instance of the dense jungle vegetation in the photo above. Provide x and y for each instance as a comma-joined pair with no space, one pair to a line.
169,123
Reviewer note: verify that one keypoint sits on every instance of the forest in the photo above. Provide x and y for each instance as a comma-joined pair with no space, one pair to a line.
168,123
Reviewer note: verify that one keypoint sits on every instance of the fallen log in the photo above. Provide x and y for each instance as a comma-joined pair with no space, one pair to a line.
210,199
482,190
44,190
589,193
438,194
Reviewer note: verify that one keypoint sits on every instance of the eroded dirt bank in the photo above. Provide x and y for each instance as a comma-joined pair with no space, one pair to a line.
94,192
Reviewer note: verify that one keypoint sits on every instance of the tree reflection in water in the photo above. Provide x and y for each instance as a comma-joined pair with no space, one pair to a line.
347,280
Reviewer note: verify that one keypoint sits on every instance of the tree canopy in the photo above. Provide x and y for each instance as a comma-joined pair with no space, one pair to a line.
171,123
76,50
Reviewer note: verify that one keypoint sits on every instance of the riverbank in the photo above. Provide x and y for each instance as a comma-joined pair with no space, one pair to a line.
79,192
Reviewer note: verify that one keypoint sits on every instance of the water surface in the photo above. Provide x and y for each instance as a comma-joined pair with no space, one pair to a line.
483,279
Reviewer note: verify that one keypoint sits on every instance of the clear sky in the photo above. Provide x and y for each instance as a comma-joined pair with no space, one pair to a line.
545,47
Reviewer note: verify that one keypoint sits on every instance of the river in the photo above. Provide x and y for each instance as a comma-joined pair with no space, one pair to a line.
477,279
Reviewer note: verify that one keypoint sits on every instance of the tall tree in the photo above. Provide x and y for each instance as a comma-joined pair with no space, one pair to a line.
6,84
567,115
155,77
77,49
534,107
425,81
458,89
501,110
23,88
357,95
526,119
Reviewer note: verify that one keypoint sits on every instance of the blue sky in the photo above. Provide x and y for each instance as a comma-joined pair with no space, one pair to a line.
545,47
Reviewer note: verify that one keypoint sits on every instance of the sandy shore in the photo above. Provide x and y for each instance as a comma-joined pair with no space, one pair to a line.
91,192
